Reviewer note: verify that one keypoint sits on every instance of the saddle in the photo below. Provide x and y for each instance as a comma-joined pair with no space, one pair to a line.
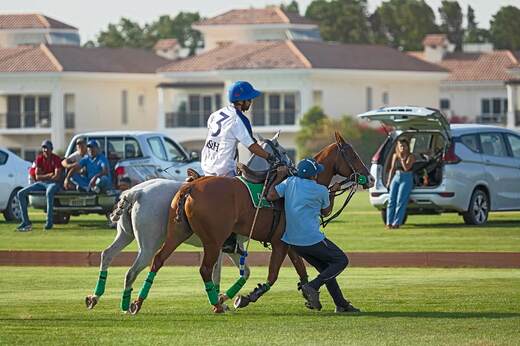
256,177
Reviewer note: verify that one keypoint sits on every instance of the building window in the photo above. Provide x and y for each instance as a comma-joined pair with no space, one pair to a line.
444,104
30,154
140,100
195,111
369,98
69,106
28,111
16,151
385,99
124,107
275,109
497,106
485,107
317,97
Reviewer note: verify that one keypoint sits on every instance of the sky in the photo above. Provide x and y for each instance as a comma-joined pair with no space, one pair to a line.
91,16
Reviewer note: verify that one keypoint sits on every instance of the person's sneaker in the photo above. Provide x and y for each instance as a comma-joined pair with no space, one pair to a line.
312,296
47,227
345,309
24,228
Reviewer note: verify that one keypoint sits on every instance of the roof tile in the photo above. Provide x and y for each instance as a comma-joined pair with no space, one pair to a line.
30,21
479,66
268,15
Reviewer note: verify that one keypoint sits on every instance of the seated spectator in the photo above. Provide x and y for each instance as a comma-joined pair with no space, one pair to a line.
73,160
97,176
47,178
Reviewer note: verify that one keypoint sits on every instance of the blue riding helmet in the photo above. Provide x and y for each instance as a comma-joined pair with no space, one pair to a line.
241,91
92,144
308,168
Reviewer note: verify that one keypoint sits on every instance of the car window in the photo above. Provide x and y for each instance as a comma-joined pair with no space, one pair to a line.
3,158
173,151
471,141
420,143
493,144
514,142
157,148
132,149
116,149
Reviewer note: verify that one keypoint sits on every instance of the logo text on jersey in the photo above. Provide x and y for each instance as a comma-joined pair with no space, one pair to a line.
212,145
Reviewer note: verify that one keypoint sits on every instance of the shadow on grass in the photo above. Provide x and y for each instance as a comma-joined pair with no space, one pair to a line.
489,224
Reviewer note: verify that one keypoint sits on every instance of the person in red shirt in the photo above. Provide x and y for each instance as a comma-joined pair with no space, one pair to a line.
48,176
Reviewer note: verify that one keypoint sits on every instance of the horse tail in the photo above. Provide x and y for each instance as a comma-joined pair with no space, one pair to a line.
126,201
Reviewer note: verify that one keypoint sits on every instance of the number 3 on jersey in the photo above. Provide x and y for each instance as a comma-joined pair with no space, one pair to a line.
223,118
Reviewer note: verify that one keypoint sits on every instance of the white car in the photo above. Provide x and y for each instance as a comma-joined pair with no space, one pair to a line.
469,169
13,177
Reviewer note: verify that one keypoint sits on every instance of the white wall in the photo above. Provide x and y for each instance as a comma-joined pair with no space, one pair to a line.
465,98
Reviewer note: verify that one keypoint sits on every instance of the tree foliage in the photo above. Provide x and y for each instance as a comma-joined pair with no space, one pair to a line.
127,33
291,7
341,20
473,33
403,23
317,131
505,28
451,22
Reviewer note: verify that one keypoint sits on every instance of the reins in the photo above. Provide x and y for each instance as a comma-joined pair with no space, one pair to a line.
354,181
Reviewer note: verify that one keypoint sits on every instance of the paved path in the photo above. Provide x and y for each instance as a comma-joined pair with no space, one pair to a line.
357,259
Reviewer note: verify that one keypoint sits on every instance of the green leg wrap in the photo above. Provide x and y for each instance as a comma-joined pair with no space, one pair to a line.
211,290
100,286
217,287
125,300
143,293
267,286
237,286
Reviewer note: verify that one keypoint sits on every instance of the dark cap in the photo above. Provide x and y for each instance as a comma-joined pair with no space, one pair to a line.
47,144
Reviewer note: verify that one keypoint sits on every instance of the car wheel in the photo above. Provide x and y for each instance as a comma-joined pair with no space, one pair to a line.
383,216
61,218
478,211
13,211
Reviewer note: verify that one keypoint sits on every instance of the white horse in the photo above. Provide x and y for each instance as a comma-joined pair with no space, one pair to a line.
142,214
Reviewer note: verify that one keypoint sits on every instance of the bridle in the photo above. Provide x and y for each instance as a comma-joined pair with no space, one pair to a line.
349,184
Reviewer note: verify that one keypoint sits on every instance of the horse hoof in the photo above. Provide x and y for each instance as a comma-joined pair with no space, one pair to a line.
135,307
222,298
91,301
241,302
218,309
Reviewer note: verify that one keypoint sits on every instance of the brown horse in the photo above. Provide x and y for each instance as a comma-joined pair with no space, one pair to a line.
213,207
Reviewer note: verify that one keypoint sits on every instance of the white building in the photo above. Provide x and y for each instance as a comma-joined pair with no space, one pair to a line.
482,85
55,91
258,45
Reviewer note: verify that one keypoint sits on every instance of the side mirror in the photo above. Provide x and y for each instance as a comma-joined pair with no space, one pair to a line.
194,156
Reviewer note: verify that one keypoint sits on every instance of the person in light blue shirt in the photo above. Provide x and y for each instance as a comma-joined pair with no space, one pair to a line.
305,201
97,176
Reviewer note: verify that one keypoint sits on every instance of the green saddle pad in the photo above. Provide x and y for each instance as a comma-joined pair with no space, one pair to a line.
255,191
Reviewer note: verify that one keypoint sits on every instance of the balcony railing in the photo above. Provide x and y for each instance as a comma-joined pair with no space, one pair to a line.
287,117
495,119
27,120
182,119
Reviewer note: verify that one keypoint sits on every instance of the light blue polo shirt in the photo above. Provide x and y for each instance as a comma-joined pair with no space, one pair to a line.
304,199
95,165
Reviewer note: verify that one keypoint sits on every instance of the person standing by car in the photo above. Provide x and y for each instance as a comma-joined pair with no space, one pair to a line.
305,201
400,184
73,160
47,175
98,176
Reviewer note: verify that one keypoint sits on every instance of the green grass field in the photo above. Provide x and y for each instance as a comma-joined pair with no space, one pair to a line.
358,229
401,307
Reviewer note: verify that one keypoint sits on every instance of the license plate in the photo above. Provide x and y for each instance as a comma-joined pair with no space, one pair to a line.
77,203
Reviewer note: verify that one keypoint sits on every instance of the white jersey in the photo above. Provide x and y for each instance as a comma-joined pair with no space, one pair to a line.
225,130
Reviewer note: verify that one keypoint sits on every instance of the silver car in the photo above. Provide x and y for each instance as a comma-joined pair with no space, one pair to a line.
469,169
